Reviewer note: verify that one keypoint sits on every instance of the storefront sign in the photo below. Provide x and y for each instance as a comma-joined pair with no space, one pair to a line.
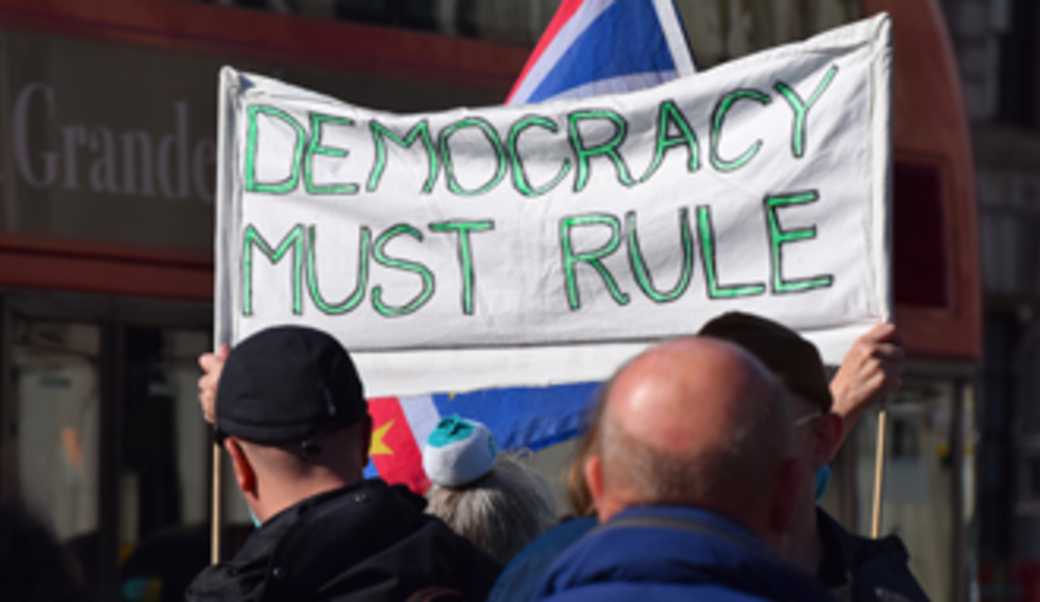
760,186
109,143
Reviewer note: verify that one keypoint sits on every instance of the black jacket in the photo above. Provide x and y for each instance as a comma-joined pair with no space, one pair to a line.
874,570
368,541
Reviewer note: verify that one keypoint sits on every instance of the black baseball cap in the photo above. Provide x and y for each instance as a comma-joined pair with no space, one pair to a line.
793,359
286,384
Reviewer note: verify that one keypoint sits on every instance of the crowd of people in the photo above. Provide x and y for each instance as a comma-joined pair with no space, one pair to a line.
697,477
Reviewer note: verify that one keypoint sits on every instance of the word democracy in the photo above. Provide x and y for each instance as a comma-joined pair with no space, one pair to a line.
673,131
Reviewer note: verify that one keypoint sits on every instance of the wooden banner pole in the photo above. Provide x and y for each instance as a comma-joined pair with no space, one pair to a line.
215,511
879,470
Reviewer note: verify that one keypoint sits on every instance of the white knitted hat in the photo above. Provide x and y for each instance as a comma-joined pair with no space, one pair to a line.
459,451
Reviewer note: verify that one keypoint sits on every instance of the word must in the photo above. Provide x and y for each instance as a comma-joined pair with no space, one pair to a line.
300,244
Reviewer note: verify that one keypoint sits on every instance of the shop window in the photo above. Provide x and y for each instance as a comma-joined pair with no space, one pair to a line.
918,503
56,381
163,484
111,449
56,384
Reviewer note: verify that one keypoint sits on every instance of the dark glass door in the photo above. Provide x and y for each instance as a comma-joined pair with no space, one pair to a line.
104,440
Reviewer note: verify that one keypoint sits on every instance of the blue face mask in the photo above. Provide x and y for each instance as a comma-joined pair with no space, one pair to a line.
823,479
258,524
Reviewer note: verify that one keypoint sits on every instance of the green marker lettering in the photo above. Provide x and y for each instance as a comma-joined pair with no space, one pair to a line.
293,241
717,119
465,254
380,136
252,141
520,181
716,290
639,268
352,300
492,137
379,254
801,109
666,115
778,237
315,148
593,258
608,148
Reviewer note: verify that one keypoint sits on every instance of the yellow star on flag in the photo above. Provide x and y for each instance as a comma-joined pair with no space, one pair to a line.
378,447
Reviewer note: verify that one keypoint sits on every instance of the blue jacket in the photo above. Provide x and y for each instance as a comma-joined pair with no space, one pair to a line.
517,582
699,556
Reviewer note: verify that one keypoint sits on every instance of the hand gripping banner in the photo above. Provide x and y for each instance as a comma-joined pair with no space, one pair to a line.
539,244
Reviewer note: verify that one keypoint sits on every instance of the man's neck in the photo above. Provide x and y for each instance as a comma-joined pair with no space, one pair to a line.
290,494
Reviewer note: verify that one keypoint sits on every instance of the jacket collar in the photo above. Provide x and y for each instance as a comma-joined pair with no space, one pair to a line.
738,562
698,515
244,576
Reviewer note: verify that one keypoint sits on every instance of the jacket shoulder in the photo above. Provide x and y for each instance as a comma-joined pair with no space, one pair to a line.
660,560
624,592
378,545
880,569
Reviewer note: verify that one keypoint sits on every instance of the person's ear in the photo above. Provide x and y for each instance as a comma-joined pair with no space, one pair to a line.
829,434
593,469
245,476
366,440
786,495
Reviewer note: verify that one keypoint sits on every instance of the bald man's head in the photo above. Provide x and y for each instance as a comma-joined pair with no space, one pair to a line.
695,422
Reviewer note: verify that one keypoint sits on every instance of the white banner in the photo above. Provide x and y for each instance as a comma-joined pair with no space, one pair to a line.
547,243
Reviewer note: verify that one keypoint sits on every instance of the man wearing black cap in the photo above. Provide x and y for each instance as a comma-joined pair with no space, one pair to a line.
853,568
290,411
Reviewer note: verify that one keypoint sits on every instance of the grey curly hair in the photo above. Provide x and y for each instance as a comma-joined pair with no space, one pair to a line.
501,512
